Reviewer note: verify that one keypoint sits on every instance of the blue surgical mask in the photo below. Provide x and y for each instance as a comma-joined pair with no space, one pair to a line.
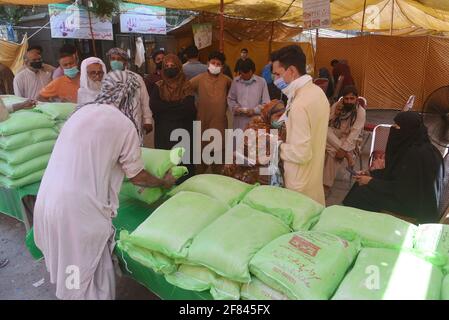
72,72
280,83
117,65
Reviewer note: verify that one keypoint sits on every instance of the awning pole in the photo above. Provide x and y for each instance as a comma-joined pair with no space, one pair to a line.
221,25
392,17
270,44
363,18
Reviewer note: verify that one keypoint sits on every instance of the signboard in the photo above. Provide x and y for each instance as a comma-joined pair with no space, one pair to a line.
202,34
138,18
316,14
72,21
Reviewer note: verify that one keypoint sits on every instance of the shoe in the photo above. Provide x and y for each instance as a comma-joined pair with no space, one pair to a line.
3,263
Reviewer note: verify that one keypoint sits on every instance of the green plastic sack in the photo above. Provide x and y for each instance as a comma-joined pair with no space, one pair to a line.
445,289
156,261
171,227
35,252
389,274
22,155
150,195
24,169
374,229
227,245
27,138
295,209
56,110
9,100
197,278
23,120
59,124
305,265
16,183
158,161
257,290
432,241
222,188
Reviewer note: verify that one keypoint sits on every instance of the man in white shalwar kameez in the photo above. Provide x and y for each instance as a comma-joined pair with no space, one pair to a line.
78,196
306,120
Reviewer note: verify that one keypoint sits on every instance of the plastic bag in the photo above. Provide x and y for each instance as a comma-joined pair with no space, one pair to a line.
432,241
16,183
228,244
388,274
24,169
305,265
158,161
257,290
24,120
22,155
19,140
295,209
56,110
375,229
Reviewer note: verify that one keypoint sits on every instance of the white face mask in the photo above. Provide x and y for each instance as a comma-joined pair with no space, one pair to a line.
214,69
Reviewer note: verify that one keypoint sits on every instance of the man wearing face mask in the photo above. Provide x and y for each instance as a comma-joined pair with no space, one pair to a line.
193,66
248,94
212,88
306,118
151,79
346,122
34,76
65,88
119,61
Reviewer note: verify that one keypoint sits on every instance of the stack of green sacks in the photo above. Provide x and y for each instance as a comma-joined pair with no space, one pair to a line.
9,100
216,251
27,139
157,162
57,111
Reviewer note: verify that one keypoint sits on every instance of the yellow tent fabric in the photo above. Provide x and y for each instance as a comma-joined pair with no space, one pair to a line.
383,79
11,54
346,14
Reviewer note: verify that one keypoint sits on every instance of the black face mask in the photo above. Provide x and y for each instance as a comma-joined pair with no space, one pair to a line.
348,107
159,65
171,72
36,64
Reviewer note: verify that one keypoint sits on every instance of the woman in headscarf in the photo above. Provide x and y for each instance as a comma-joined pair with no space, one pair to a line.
173,106
410,183
92,73
78,195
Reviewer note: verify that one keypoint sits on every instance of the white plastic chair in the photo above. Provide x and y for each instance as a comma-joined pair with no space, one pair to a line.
379,141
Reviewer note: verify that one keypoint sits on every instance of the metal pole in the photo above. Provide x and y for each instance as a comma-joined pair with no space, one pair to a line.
92,33
221,25
363,18
392,17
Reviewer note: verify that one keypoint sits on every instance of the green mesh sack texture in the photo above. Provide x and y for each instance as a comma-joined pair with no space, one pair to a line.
295,209
158,162
171,227
197,278
150,195
222,188
27,153
389,274
16,183
374,229
228,244
432,241
257,290
27,138
9,100
156,261
305,265
23,120
56,110
24,169
445,288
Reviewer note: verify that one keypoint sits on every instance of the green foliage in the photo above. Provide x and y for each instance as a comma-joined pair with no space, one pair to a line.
11,14
105,8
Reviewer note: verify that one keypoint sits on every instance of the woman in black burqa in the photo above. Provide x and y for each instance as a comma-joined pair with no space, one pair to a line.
411,182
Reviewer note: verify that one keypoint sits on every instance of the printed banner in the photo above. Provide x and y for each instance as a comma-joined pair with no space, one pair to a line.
316,14
202,34
138,18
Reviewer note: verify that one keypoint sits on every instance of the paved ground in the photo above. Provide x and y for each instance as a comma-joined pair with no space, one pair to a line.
20,278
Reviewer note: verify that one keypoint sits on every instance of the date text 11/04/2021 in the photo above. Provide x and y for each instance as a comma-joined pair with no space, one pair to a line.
231,309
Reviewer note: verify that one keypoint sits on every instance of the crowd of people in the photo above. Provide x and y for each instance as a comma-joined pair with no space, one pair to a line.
100,143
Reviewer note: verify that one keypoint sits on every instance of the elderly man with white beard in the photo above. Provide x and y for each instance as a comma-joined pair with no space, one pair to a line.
92,73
